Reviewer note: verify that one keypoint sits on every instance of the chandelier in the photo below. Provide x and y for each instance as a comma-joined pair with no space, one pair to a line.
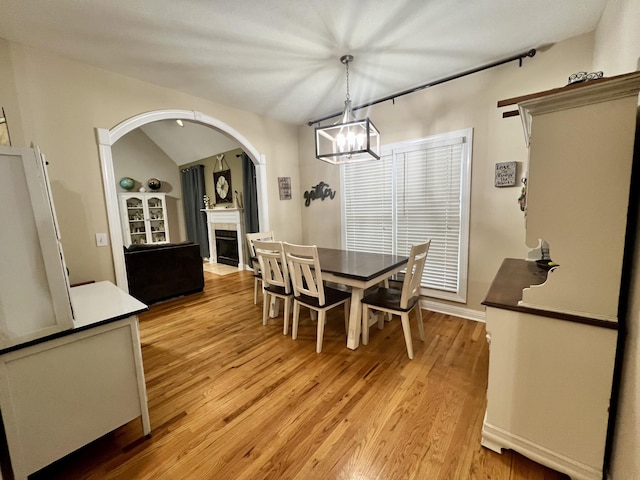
348,140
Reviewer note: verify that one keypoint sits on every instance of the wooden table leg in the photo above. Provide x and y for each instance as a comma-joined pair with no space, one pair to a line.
355,318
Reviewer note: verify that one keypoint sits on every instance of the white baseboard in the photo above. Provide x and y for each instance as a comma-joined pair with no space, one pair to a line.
496,438
454,310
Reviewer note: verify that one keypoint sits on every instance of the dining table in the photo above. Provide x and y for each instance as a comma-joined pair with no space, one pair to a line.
359,271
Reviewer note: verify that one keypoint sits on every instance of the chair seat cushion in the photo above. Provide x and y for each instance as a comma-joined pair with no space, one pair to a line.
332,296
389,298
277,290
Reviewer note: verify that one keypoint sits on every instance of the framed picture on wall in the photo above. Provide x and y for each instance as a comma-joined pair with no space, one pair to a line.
284,187
222,184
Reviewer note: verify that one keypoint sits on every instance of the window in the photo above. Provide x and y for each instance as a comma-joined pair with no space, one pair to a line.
418,190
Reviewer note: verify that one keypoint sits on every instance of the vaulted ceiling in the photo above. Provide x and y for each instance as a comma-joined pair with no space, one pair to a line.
280,58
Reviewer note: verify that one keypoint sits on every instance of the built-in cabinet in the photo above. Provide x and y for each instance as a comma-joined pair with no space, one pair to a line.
144,218
70,358
553,334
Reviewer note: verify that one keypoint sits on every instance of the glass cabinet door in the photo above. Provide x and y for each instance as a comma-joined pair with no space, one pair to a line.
156,209
136,219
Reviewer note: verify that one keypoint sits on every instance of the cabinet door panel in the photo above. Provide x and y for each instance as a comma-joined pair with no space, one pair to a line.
34,296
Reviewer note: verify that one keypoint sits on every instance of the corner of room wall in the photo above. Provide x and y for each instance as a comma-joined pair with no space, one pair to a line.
617,38
9,95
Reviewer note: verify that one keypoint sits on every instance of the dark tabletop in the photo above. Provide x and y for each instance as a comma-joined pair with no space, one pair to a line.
357,265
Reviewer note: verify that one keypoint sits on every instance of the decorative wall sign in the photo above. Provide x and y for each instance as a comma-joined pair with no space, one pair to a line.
321,191
284,187
505,174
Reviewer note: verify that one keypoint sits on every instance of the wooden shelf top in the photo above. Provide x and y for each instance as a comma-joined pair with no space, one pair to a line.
567,88
516,274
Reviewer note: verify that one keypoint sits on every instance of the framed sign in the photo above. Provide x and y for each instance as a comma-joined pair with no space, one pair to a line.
505,174
284,187
222,185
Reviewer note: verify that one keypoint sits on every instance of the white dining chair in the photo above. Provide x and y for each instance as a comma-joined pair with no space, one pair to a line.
251,237
309,290
399,302
276,283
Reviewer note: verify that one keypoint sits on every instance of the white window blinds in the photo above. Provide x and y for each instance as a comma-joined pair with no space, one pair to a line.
368,213
418,190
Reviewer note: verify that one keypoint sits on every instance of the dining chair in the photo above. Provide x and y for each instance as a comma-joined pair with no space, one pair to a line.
276,283
399,302
309,290
251,237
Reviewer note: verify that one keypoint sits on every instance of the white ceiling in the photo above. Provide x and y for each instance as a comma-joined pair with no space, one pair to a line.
280,58
189,143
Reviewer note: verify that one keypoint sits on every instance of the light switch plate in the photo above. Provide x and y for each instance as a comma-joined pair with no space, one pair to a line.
101,240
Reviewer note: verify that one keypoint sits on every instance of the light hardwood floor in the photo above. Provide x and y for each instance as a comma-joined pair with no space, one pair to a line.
232,399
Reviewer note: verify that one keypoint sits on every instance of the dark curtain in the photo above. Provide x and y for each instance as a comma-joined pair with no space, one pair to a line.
250,193
193,192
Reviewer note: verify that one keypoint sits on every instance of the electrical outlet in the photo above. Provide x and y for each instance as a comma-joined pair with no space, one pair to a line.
101,240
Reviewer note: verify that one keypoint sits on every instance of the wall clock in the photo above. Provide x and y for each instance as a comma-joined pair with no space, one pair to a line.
222,182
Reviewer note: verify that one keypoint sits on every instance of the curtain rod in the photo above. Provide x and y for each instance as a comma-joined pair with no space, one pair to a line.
519,57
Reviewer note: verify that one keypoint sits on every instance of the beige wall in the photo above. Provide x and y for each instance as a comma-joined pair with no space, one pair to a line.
136,156
211,165
617,51
617,38
57,103
497,224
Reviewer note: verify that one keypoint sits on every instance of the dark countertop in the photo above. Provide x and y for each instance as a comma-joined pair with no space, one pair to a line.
514,275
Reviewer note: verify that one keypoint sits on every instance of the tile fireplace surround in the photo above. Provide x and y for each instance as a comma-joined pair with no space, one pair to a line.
225,219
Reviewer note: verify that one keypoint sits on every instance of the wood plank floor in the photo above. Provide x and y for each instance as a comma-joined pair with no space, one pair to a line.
232,399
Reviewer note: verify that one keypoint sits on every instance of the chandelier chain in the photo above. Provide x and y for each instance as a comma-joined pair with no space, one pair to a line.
347,65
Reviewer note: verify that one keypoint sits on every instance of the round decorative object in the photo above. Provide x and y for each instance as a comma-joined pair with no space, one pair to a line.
154,184
222,187
127,183
142,189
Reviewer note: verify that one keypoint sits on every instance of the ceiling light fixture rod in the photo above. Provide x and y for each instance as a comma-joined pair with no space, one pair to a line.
519,57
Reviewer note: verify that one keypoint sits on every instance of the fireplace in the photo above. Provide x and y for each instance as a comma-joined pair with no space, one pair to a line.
223,225
227,247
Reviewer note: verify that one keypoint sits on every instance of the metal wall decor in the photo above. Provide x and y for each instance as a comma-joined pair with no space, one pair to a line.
321,191
580,77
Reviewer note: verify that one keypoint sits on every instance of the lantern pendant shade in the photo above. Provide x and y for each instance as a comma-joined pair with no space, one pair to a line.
358,140
349,140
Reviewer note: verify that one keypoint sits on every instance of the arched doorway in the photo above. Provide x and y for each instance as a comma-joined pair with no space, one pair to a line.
106,139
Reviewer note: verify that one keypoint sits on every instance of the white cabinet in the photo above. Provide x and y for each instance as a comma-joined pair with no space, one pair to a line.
553,337
581,143
70,358
58,394
144,218
550,378
34,288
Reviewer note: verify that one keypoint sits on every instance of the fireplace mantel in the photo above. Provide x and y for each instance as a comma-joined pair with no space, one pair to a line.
225,219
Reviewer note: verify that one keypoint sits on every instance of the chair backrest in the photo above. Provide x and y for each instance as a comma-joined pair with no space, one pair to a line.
304,268
413,275
252,237
273,264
